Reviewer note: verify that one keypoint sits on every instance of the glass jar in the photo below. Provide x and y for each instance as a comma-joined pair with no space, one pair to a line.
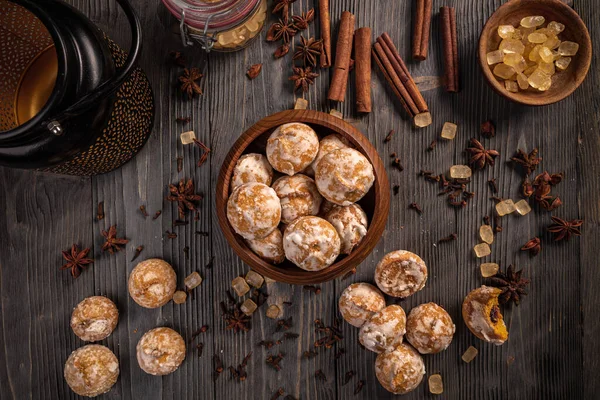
220,25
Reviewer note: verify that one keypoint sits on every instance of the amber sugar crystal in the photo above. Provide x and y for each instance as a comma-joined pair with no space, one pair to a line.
505,207
470,354
240,286
530,55
449,131
436,385
489,269
482,250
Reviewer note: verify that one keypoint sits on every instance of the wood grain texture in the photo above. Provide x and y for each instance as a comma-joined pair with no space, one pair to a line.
552,351
376,202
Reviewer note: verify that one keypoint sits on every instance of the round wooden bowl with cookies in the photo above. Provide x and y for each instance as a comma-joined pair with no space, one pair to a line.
375,202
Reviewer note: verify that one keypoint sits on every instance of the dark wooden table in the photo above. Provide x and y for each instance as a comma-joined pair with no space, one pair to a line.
553,350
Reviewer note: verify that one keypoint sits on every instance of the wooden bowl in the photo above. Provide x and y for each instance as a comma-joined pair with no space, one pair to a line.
376,202
564,82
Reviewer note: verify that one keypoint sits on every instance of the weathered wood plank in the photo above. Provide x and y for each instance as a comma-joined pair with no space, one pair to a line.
587,126
40,220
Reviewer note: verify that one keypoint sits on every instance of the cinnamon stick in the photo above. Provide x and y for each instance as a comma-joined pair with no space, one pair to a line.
454,48
426,29
418,29
450,48
325,22
341,67
362,66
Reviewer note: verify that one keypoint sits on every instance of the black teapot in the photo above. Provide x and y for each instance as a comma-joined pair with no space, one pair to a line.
71,100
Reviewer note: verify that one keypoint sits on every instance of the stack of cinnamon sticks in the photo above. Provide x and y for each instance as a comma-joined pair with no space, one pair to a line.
450,48
396,74
421,29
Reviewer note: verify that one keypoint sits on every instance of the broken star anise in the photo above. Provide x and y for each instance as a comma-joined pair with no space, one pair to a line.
528,162
283,30
301,21
303,77
533,246
185,197
112,243
564,229
542,185
282,50
188,82
512,285
254,71
308,50
76,260
282,6
480,155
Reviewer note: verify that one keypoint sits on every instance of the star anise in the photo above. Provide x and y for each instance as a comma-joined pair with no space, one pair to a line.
512,284
303,77
282,6
308,50
528,162
185,197
113,243
235,319
283,30
188,82
479,155
301,21
76,260
533,246
564,229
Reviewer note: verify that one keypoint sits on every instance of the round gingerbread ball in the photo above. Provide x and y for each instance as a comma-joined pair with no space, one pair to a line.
252,167
253,210
351,224
401,370
152,283
344,176
384,330
311,243
401,273
292,147
359,302
299,197
326,146
269,248
160,351
94,318
429,328
91,370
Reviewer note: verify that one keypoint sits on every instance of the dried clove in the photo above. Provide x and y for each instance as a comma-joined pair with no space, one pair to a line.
138,250
100,213
388,137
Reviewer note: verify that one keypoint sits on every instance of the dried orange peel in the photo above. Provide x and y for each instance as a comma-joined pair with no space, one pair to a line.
481,313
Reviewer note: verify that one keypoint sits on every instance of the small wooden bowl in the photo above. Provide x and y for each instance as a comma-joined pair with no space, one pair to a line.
376,203
564,82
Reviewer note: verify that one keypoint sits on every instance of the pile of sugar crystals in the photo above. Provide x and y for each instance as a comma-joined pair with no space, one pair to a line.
528,56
